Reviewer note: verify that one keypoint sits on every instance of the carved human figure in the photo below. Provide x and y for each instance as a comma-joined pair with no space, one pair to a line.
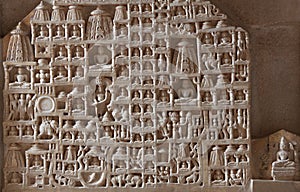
147,51
186,91
161,63
180,12
135,8
22,107
13,131
186,58
163,97
28,131
282,155
135,52
123,51
62,54
37,163
123,93
79,74
43,34
207,39
148,80
147,22
69,169
59,32
226,60
135,37
241,47
201,11
161,43
78,55
225,38
101,59
75,32
160,28
30,106
183,151
13,115
148,95
124,72
21,79
218,177
136,158
216,156
15,178
240,125
207,81
135,66
136,95
123,32
100,92
147,38
148,109
135,21
224,124
70,153
67,136
209,61
136,109
235,177
79,136
61,75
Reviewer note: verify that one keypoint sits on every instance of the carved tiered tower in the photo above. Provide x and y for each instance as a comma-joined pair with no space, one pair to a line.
138,94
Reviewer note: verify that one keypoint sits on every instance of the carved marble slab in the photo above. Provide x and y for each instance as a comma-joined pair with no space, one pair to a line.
270,162
127,94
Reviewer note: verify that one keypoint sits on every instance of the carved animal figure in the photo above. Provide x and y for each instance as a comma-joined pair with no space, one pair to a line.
192,178
118,180
132,180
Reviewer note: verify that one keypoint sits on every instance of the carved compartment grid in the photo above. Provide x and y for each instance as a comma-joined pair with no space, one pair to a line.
169,106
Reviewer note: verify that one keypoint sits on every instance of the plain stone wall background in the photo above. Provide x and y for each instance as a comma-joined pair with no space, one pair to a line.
274,28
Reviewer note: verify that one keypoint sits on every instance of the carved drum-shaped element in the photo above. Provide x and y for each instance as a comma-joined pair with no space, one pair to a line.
45,104
283,173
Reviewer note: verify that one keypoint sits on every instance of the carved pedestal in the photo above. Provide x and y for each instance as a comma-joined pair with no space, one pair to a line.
283,173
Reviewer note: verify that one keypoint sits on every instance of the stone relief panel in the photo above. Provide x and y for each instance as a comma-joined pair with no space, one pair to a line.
277,157
154,93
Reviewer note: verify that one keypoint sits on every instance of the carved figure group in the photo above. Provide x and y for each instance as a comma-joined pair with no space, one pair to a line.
140,95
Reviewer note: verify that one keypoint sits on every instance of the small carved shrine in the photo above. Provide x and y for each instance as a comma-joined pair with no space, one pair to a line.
276,157
127,94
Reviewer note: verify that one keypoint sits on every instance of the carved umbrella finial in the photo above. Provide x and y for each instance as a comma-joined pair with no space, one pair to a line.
19,48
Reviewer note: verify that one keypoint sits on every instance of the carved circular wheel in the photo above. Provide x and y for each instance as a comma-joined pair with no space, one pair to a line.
45,104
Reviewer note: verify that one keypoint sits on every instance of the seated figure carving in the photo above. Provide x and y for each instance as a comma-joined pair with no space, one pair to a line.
282,157
186,92
21,79
101,60
284,167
